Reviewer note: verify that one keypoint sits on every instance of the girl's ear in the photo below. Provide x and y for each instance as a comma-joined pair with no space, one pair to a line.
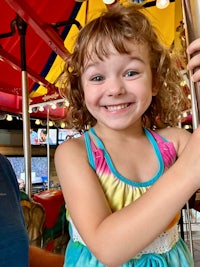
154,90
155,86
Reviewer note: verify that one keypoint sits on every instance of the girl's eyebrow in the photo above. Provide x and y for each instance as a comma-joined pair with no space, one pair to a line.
137,58
90,65
94,63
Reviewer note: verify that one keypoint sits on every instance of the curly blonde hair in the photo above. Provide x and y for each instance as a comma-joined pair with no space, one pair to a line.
116,26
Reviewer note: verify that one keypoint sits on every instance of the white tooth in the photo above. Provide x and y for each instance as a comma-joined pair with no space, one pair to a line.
113,108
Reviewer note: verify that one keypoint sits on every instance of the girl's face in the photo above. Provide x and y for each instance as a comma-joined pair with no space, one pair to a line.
118,89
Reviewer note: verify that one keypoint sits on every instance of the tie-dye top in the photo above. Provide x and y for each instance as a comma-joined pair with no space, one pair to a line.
164,150
120,192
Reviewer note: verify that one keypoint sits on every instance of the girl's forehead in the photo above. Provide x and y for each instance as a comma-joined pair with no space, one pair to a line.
97,52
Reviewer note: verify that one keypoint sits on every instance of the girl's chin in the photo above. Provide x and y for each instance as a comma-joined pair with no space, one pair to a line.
116,125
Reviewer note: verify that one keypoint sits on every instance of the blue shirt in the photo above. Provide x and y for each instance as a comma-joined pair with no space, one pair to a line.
14,243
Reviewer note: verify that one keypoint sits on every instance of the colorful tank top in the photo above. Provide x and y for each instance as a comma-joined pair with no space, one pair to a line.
168,249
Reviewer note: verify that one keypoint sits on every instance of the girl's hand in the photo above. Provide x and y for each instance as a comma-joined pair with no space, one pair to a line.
194,63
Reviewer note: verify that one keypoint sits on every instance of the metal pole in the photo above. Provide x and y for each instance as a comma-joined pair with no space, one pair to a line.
26,136
48,150
191,15
22,26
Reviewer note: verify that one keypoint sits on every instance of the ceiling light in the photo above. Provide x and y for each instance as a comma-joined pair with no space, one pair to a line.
37,122
51,123
162,4
62,125
41,108
108,2
53,106
9,117
66,103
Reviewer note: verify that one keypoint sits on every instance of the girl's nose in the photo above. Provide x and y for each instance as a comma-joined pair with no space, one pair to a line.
115,88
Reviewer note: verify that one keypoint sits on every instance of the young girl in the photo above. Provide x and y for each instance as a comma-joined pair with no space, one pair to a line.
123,87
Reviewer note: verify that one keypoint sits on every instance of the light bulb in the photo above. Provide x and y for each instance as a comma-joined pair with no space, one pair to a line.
9,117
53,106
162,4
62,125
50,123
108,2
41,108
66,103
37,122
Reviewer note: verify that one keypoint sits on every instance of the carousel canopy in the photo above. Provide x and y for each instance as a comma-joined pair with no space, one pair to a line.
46,31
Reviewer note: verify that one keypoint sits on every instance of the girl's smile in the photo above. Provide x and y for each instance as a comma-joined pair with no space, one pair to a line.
115,108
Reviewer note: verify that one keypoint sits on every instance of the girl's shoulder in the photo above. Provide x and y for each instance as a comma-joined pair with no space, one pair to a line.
173,133
178,136
71,148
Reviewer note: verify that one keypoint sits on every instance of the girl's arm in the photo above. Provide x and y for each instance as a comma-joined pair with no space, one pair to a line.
42,258
116,237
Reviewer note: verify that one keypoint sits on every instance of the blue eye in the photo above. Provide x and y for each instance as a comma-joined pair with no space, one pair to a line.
131,73
97,78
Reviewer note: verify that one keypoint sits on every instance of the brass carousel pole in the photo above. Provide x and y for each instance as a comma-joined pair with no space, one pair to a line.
48,151
22,26
191,15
